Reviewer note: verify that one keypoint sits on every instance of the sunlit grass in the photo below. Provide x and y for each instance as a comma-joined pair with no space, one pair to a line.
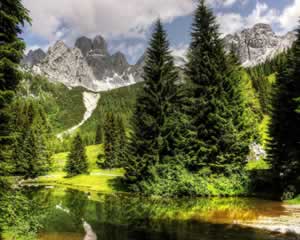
97,179
92,152
294,201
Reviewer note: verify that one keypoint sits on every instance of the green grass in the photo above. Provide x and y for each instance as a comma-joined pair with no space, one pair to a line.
92,152
98,179
294,201
101,182
257,165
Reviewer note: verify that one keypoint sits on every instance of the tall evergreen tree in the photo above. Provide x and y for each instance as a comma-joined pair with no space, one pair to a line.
217,139
154,106
99,134
110,138
77,160
284,146
13,16
31,150
121,142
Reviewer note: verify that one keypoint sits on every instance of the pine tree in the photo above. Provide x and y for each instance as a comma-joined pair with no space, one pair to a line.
77,160
99,134
154,106
121,142
217,139
12,17
31,149
110,137
284,146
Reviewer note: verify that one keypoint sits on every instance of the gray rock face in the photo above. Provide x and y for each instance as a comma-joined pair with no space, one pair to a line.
88,65
257,44
34,57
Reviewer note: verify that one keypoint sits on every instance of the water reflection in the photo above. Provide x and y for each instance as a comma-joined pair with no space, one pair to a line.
125,217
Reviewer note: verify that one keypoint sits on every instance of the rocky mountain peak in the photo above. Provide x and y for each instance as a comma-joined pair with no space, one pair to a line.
119,60
84,44
34,57
257,44
88,64
99,43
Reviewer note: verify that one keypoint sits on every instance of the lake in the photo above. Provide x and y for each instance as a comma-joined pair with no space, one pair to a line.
70,214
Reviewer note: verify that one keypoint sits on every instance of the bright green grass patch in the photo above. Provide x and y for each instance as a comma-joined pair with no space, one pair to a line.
257,165
92,152
102,180
294,201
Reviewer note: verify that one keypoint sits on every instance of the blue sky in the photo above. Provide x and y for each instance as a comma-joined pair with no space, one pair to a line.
127,24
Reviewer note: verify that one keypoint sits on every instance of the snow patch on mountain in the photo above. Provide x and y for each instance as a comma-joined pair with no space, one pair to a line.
90,101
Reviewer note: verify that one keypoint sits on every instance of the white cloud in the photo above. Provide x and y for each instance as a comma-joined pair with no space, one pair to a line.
233,22
111,18
132,51
180,50
290,16
35,47
230,22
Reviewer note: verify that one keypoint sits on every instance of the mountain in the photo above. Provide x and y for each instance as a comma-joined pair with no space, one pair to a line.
34,57
88,64
257,44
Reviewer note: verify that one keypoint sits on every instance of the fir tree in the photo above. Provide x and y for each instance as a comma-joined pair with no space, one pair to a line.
284,146
149,145
110,137
31,149
216,138
99,134
12,17
77,160
121,142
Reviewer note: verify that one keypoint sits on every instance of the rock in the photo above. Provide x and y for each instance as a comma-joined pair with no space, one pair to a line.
34,57
84,44
88,65
257,44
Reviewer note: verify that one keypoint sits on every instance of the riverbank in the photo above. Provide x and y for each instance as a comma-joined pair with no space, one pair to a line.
100,180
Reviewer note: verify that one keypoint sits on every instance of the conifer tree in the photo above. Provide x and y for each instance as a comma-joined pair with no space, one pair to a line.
99,134
121,142
13,16
77,160
284,144
110,137
31,149
217,139
154,106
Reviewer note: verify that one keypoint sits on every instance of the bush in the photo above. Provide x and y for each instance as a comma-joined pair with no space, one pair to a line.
175,180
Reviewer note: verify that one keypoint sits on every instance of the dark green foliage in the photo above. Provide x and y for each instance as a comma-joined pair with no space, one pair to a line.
58,101
12,17
175,180
284,145
260,76
120,101
121,142
99,134
219,137
110,142
154,107
77,160
31,153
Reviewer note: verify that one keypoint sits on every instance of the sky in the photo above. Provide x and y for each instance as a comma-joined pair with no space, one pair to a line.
127,24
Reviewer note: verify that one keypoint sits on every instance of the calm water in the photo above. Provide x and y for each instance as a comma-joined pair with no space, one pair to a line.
124,217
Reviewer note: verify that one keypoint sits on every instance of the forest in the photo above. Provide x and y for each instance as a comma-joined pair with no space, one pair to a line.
182,132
